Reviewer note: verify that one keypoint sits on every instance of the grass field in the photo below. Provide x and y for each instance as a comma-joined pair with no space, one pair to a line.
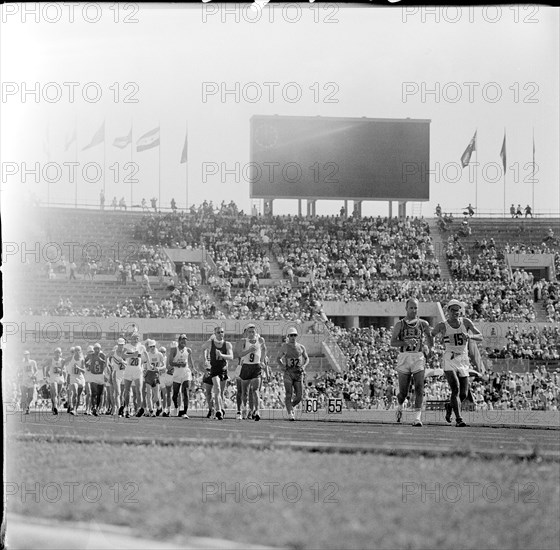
290,499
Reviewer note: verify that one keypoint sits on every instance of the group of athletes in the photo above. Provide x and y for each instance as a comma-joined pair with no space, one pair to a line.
415,340
154,378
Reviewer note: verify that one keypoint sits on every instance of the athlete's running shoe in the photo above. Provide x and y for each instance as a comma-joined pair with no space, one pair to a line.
399,415
209,415
417,423
292,417
140,412
238,416
448,411
219,415
461,424
55,411
166,414
223,413
158,412
186,416
121,410
256,416
127,414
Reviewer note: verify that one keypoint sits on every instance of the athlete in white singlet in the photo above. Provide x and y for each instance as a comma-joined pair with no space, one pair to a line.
456,332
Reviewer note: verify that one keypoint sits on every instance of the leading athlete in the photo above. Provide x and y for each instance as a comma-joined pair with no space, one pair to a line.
456,331
413,337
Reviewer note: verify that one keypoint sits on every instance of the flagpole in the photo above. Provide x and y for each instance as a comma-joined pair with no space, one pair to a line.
187,174
76,161
476,174
533,199
48,161
104,148
131,164
159,165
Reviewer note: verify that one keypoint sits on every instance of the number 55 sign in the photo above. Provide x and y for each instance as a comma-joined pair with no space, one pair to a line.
334,405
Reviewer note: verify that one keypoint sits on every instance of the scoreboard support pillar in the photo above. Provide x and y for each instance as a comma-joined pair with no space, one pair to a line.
311,207
357,212
299,209
402,209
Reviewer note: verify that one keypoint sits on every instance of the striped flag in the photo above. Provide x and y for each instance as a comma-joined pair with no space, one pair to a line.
466,157
125,141
98,138
148,141
503,153
184,154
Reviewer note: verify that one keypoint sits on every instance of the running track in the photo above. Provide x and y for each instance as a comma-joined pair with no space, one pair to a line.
513,434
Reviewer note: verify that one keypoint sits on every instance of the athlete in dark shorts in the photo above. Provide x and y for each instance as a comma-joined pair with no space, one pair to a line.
252,351
413,337
293,359
217,351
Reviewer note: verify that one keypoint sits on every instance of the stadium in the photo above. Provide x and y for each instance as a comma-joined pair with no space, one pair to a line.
292,363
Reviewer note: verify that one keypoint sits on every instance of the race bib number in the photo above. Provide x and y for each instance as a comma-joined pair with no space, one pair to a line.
334,405
134,361
311,405
293,363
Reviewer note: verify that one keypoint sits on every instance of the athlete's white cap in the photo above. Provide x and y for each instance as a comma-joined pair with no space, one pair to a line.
162,349
98,346
90,348
26,353
150,343
455,303
121,341
292,330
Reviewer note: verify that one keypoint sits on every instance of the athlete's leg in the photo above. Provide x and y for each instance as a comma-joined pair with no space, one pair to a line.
418,393
176,388
298,387
288,387
185,393
453,382
217,393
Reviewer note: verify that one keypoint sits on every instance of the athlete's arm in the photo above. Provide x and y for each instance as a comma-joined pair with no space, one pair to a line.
305,357
190,361
396,342
439,330
229,354
281,355
476,334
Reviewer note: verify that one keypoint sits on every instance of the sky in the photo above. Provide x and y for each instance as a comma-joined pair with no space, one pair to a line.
490,70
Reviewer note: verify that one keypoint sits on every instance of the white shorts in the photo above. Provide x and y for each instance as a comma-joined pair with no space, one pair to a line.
460,364
133,373
166,380
77,382
57,380
182,374
411,362
97,379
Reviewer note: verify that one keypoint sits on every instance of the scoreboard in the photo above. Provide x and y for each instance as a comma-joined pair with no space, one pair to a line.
299,157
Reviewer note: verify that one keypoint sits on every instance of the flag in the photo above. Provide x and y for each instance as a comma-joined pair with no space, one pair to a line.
148,140
185,149
466,156
125,141
503,153
98,138
70,140
533,155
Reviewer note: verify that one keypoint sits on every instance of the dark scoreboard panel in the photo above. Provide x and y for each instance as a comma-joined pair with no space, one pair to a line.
339,158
